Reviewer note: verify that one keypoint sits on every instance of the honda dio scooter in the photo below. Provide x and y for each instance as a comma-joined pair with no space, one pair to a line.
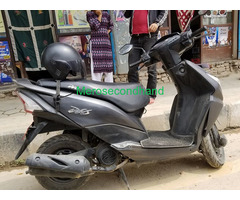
102,133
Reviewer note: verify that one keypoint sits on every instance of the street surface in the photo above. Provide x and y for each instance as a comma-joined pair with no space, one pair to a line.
189,173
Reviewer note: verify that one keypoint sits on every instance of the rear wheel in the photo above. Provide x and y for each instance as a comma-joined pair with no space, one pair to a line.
62,145
215,156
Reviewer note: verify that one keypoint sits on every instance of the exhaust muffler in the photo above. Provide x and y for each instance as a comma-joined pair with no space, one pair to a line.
65,166
62,166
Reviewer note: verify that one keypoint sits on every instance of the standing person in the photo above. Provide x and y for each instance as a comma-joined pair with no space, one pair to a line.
143,28
101,51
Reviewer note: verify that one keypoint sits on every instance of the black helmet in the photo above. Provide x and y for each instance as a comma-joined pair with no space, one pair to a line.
61,59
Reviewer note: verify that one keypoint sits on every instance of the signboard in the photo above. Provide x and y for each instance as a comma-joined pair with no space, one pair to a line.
4,51
74,41
223,36
2,28
217,36
72,21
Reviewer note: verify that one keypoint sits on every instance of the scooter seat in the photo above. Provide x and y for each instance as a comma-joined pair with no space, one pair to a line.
128,96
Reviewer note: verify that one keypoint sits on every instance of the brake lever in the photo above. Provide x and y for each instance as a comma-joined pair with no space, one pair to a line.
145,58
140,67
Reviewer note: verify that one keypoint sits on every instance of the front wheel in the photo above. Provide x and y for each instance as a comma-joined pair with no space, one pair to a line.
215,156
62,145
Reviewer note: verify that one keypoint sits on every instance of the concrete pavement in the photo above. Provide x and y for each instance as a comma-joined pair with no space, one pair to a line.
14,121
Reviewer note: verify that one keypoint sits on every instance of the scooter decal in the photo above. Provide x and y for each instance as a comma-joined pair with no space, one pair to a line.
76,111
72,87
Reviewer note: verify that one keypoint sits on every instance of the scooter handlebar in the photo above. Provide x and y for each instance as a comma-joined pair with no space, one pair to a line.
197,32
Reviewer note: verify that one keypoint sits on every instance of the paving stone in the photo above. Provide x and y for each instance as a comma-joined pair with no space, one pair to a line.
11,112
2,95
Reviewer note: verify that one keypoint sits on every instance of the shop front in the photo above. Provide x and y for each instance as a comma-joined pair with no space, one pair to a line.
221,36
25,33
217,45
238,34
23,38
6,60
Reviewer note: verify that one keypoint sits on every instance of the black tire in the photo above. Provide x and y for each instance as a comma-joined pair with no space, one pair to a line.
67,143
215,156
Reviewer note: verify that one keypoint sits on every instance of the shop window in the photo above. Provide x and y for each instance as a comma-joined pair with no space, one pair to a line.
217,17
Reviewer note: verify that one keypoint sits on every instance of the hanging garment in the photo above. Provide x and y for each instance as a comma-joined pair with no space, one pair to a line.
30,32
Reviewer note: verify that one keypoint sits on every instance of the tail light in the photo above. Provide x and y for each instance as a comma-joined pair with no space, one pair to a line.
29,104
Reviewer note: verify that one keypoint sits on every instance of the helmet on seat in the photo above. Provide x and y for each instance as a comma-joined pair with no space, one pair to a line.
61,59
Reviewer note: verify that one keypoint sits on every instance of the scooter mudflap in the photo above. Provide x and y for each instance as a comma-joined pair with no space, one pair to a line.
30,135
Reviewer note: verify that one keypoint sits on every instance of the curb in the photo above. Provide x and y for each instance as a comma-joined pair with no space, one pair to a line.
10,143
9,146
229,117
5,89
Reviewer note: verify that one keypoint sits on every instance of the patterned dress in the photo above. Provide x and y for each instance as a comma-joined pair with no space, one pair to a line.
101,45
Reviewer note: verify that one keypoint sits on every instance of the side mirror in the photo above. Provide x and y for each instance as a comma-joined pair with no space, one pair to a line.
125,49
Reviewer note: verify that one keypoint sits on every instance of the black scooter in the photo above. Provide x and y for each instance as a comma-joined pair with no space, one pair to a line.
102,133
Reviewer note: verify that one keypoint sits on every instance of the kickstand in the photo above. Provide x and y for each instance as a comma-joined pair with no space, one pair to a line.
123,175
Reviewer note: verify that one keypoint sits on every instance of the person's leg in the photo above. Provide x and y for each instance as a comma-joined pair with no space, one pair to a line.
134,56
108,77
152,70
95,76
152,80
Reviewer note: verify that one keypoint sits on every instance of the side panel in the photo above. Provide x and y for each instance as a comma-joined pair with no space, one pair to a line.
139,154
195,89
112,133
48,112
102,118
86,112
